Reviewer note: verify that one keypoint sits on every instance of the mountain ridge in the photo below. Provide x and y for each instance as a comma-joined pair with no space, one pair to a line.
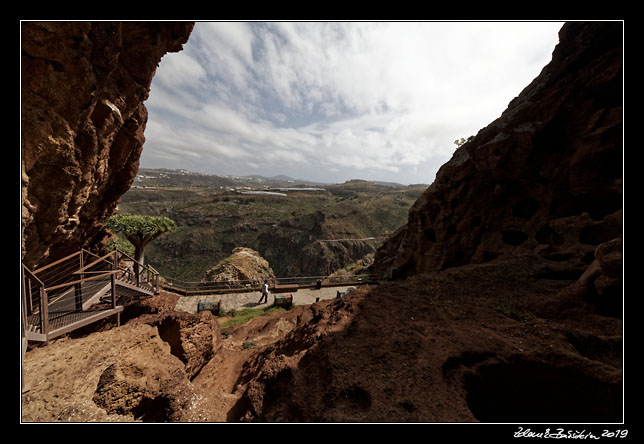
280,180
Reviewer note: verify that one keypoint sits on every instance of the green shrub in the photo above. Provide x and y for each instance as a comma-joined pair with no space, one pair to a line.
239,317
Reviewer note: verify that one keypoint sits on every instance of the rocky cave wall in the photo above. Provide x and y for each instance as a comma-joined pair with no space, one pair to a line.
83,122
545,178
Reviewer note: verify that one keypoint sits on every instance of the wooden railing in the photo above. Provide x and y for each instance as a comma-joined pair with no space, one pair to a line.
139,274
34,300
64,292
187,288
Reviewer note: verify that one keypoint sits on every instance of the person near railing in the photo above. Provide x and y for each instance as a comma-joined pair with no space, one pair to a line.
264,293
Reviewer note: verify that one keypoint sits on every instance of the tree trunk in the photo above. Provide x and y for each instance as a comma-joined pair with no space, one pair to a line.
139,257
139,254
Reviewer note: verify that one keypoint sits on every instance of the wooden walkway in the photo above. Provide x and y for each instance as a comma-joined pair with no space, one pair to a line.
80,289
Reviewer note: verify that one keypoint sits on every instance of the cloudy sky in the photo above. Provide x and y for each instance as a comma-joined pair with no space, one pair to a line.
335,101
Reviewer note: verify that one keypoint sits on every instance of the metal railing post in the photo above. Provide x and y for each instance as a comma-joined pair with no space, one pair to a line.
113,278
78,288
27,293
44,313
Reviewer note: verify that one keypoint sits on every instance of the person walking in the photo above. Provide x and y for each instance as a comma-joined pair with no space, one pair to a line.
264,292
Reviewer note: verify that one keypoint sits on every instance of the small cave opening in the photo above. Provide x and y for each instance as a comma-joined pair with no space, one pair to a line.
357,397
524,391
152,410
170,332
514,237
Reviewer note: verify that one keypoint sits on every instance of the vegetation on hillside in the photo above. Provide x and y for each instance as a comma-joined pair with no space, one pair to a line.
235,317
301,234
140,230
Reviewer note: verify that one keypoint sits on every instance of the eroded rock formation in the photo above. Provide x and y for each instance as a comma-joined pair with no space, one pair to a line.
544,179
243,266
83,118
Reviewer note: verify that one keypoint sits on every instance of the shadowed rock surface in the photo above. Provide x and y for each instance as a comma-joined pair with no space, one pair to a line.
83,118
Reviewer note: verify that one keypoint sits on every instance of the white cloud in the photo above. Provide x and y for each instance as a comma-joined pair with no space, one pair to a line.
371,98
179,70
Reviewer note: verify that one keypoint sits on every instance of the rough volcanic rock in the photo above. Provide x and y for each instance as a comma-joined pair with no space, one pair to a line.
543,179
193,338
602,282
244,266
123,374
83,118
458,345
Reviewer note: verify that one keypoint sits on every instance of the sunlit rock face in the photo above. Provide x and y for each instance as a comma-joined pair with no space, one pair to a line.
543,179
83,119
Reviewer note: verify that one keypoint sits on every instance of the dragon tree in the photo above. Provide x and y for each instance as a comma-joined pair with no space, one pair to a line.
140,231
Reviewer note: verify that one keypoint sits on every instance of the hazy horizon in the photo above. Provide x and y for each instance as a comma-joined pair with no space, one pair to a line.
277,177
334,101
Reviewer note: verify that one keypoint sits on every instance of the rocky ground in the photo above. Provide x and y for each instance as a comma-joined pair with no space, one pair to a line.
509,341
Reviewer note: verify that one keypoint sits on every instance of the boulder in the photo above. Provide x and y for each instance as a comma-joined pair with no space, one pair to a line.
122,374
244,267
602,282
193,338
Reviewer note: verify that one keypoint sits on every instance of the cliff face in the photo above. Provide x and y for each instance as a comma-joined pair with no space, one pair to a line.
83,119
544,179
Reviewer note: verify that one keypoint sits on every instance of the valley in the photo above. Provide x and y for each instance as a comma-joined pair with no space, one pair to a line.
301,228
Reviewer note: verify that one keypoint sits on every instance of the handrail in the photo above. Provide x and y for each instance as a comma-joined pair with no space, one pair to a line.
366,275
38,270
89,252
137,262
80,270
32,276
43,303
245,285
142,269
67,284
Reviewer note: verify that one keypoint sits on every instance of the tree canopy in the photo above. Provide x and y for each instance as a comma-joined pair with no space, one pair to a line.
141,227
140,230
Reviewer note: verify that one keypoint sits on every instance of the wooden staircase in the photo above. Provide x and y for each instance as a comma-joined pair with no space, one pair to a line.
80,289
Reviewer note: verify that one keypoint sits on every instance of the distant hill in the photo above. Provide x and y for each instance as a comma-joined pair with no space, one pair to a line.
290,229
282,179
150,177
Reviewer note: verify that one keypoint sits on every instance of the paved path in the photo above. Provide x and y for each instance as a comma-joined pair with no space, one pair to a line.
239,301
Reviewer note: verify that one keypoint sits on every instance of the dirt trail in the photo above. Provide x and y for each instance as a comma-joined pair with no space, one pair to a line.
239,301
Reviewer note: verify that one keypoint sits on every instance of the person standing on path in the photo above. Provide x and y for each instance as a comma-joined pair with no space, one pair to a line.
264,293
